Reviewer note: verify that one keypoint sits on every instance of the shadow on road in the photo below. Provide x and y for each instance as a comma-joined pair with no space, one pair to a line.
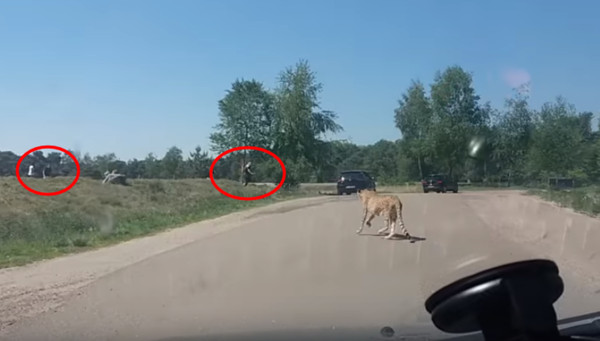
396,237
328,193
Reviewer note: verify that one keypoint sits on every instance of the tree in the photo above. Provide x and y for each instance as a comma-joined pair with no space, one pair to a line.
590,153
103,162
172,163
89,168
246,116
382,158
457,117
513,133
199,163
413,118
585,125
301,124
54,161
152,167
558,141
67,165
134,169
8,163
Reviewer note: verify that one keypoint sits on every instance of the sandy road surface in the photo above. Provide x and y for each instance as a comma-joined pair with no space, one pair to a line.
297,266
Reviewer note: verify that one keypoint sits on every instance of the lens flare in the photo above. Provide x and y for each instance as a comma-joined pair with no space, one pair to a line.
475,146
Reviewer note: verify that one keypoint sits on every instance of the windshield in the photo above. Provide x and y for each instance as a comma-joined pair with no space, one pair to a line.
354,175
435,177
174,169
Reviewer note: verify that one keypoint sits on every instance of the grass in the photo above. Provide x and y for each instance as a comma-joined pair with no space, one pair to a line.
92,215
477,187
416,187
409,187
584,199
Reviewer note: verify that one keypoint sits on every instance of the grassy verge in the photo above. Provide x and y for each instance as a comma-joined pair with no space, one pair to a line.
584,199
418,188
92,215
467,188
405,188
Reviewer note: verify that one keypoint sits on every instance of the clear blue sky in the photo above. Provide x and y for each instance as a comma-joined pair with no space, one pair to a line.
140,76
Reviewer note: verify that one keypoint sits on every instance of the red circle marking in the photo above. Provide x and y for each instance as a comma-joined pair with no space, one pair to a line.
48,193
212,178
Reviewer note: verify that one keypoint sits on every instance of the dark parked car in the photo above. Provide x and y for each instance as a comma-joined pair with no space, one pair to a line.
352,181
439,183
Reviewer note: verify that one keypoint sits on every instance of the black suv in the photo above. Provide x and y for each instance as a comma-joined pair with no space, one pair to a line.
352,181
439,183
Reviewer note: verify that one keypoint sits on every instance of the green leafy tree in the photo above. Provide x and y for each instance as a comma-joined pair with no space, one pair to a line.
457,117
199,163
301,124
413,117
152,167
88,167
67,165
172,163
558,141
246,116
8,163
382,158
54,161
512,140
134,169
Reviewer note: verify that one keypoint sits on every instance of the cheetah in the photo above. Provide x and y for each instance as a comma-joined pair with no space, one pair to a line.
388,206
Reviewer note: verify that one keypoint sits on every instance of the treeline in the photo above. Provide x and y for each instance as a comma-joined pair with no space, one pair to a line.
381,157
449,129
445,128
173,165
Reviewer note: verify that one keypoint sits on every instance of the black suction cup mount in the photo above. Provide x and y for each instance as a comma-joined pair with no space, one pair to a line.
510,302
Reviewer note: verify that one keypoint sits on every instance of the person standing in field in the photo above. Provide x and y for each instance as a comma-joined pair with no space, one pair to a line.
30,173
247,173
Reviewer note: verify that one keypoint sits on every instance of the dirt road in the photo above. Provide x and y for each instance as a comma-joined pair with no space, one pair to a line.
296,266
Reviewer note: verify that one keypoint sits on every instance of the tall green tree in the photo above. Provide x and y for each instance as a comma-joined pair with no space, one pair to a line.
301,124
457,117
54,160
246,116
134,169
558,141
589,153
382,158
413,117
172,163
514,129
8,163
67,165
152,167
199,163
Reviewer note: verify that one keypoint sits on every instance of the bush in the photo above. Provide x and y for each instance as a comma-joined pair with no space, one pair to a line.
291,181
296,173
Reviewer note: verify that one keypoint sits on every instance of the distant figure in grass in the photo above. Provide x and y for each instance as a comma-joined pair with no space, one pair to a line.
247,173
30,173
